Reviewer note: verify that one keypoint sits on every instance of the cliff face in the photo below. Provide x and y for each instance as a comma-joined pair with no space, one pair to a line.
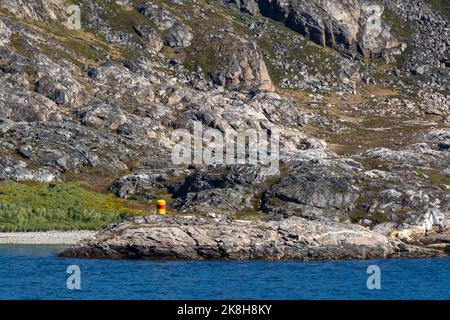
353,27
358,92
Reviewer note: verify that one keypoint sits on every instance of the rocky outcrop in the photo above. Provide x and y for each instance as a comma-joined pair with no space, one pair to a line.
327,188
439,241
179,36
160,16
245,69
14,170
41,10
103,116
5,33
151,37
248,6
66,146
24,105
146,185
198,238
220,190
350,26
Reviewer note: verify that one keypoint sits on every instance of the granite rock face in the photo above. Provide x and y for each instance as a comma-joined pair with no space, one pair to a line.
198,238
350,26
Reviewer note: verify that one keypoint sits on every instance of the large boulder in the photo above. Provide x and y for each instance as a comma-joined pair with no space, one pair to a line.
151,37
101,115
179,36
245,68
374,36
56,81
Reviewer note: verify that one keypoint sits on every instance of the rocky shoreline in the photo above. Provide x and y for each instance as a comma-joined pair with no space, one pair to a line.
296,238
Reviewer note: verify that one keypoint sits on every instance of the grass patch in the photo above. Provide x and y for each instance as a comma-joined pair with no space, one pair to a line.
20,45
205,52
376,217
434,176
402,29
35,206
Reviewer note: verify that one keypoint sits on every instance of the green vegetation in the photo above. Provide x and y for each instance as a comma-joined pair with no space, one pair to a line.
402,30
434,176
359,214
18,43
207,53
35,206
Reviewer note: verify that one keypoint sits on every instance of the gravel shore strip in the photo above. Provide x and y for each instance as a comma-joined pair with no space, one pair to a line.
51,237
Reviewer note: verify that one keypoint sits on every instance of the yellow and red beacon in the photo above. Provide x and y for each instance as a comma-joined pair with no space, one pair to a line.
160,206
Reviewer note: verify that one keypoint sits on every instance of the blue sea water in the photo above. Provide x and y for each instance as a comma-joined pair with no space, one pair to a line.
35,272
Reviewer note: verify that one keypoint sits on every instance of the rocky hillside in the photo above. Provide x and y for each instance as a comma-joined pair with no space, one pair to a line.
358,90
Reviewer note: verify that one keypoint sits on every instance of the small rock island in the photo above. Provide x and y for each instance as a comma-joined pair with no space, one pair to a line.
160,237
